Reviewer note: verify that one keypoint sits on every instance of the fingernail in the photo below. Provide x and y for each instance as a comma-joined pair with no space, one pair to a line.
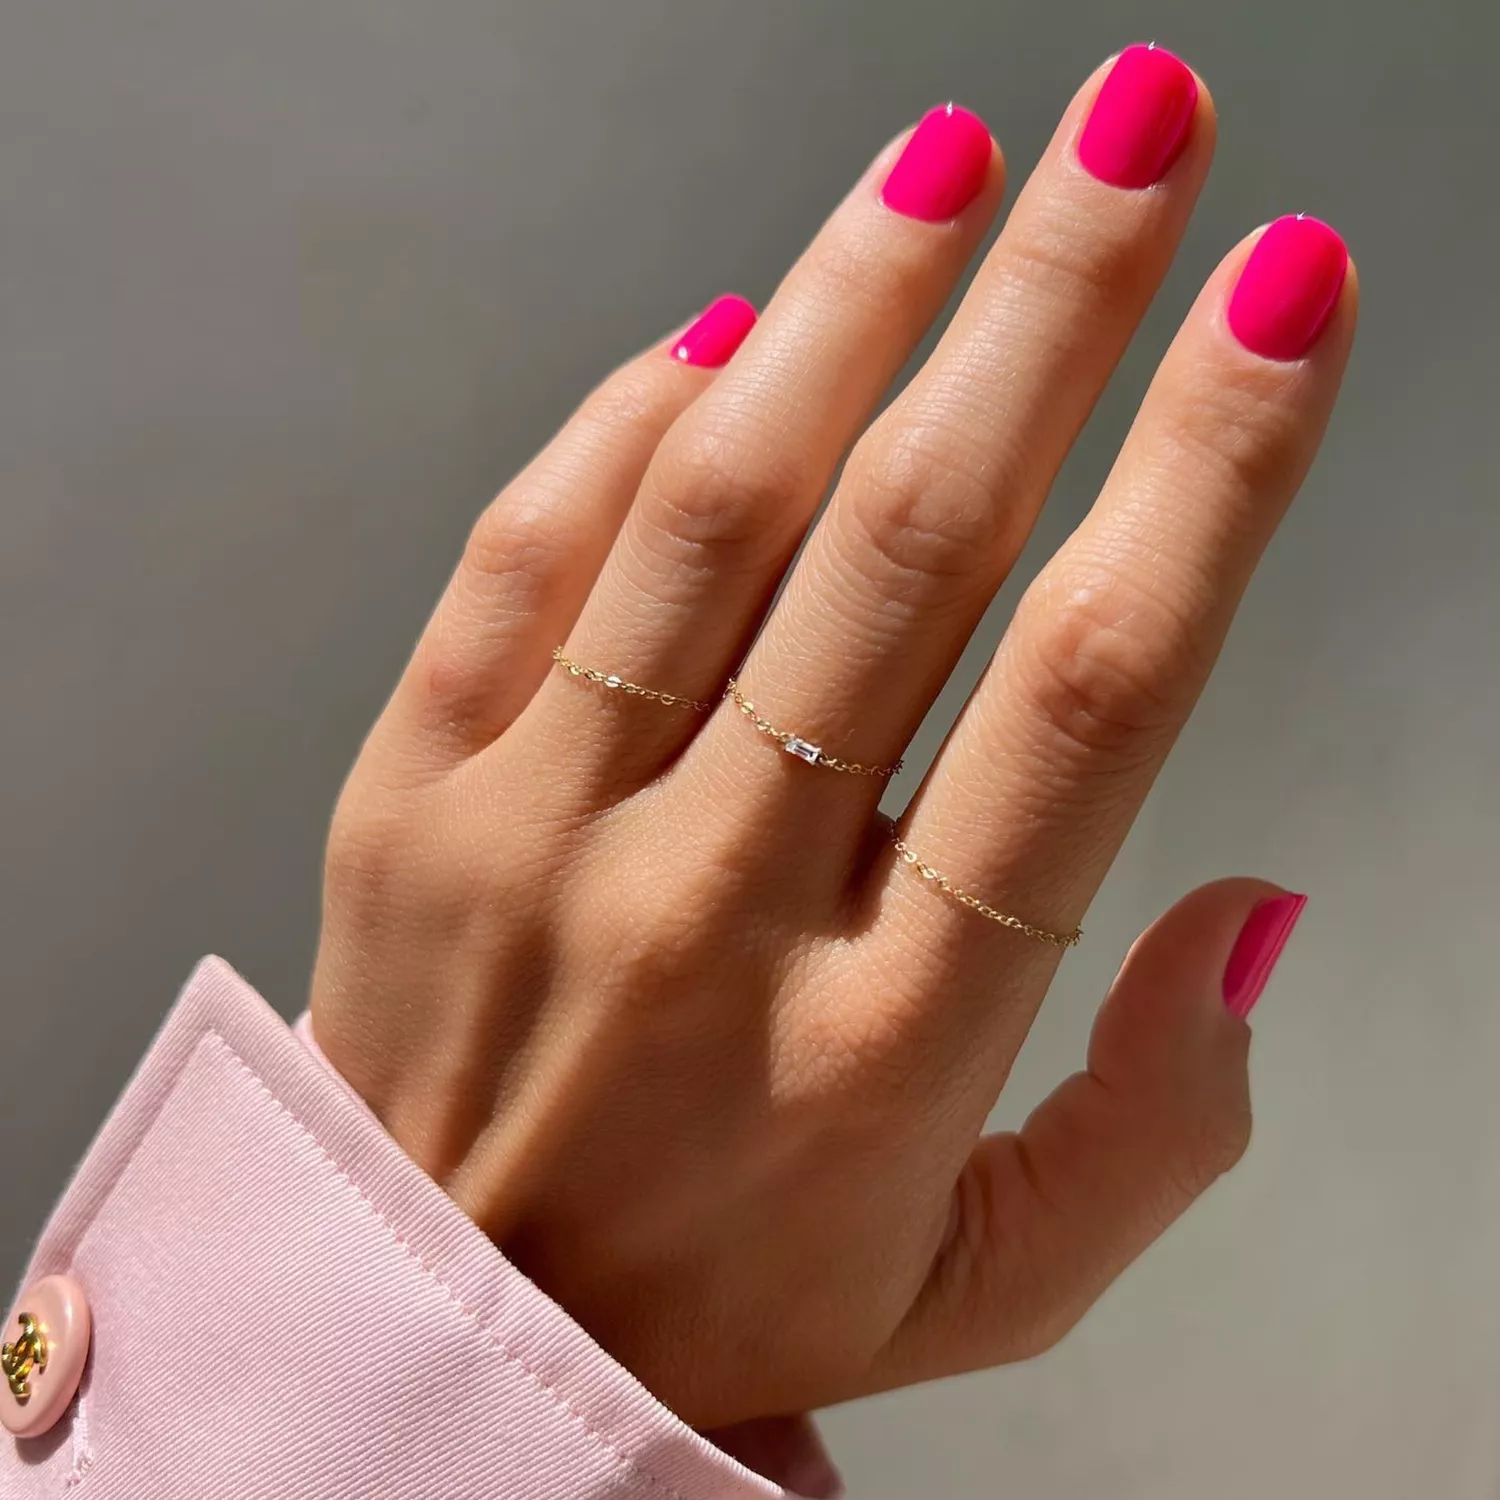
1265,934
1141,118
718,332
943,166
1288,288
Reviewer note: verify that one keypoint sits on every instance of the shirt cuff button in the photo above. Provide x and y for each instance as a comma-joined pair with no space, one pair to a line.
43,1349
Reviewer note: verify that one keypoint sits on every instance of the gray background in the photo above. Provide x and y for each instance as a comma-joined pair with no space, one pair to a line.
288,290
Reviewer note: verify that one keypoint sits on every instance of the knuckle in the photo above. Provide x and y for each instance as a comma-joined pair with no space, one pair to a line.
1217,1147
652,938
1235,432
920,504
1206,1135
366,848
1057,260
518,541
1026,1312
1110,668
1039,1330
513,571
855,1057
714,496
868,272
396,859
636,395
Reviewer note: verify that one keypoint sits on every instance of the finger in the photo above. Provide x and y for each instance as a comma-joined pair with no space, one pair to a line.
731,489
939,496
1044,773
1044,1219
534,553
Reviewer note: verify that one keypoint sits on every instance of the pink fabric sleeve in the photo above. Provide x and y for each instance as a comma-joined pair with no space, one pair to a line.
285,1306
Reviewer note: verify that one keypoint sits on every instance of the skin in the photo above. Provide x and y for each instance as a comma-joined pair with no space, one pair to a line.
655,1002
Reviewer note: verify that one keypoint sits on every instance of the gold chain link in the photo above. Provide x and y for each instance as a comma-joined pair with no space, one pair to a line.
619,685
941,881
803,749
815,755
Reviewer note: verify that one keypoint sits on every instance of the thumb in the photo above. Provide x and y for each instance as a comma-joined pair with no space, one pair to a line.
1048,1216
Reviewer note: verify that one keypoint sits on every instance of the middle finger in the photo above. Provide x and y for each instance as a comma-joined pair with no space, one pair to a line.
940,494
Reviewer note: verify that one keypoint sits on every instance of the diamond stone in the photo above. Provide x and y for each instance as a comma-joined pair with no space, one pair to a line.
803,750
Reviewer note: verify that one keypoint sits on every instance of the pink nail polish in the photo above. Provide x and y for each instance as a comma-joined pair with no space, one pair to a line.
1266,932
1141,118
1288,288
943,167
719,330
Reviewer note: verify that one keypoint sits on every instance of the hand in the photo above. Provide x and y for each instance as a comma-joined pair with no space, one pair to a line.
657,1002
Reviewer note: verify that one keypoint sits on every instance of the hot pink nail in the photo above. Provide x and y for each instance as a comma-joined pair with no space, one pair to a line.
1141,118
1288,288
1263,937
718,332
943,167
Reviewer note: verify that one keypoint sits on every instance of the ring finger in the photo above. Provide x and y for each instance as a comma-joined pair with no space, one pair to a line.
1042,777
938,498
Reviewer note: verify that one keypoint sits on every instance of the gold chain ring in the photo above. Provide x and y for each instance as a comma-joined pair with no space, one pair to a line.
794,744
618,684
941,881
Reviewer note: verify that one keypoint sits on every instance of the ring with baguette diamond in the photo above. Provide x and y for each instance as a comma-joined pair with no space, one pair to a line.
963,897
618,684
794,744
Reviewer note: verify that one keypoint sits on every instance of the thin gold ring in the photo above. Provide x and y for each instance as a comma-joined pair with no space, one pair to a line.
964,898
619,684
794,744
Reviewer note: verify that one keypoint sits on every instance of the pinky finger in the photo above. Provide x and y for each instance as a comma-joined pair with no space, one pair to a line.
534,553
1047,1217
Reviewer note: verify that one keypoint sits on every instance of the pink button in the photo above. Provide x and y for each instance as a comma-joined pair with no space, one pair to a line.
46,1342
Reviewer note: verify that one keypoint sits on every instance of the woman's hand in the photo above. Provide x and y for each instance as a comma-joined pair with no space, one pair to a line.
658,1002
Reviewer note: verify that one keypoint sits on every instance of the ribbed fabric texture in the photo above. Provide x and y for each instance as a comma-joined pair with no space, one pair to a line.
285,1306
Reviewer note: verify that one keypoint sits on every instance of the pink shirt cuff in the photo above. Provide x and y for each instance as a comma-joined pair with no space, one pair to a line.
284,1305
